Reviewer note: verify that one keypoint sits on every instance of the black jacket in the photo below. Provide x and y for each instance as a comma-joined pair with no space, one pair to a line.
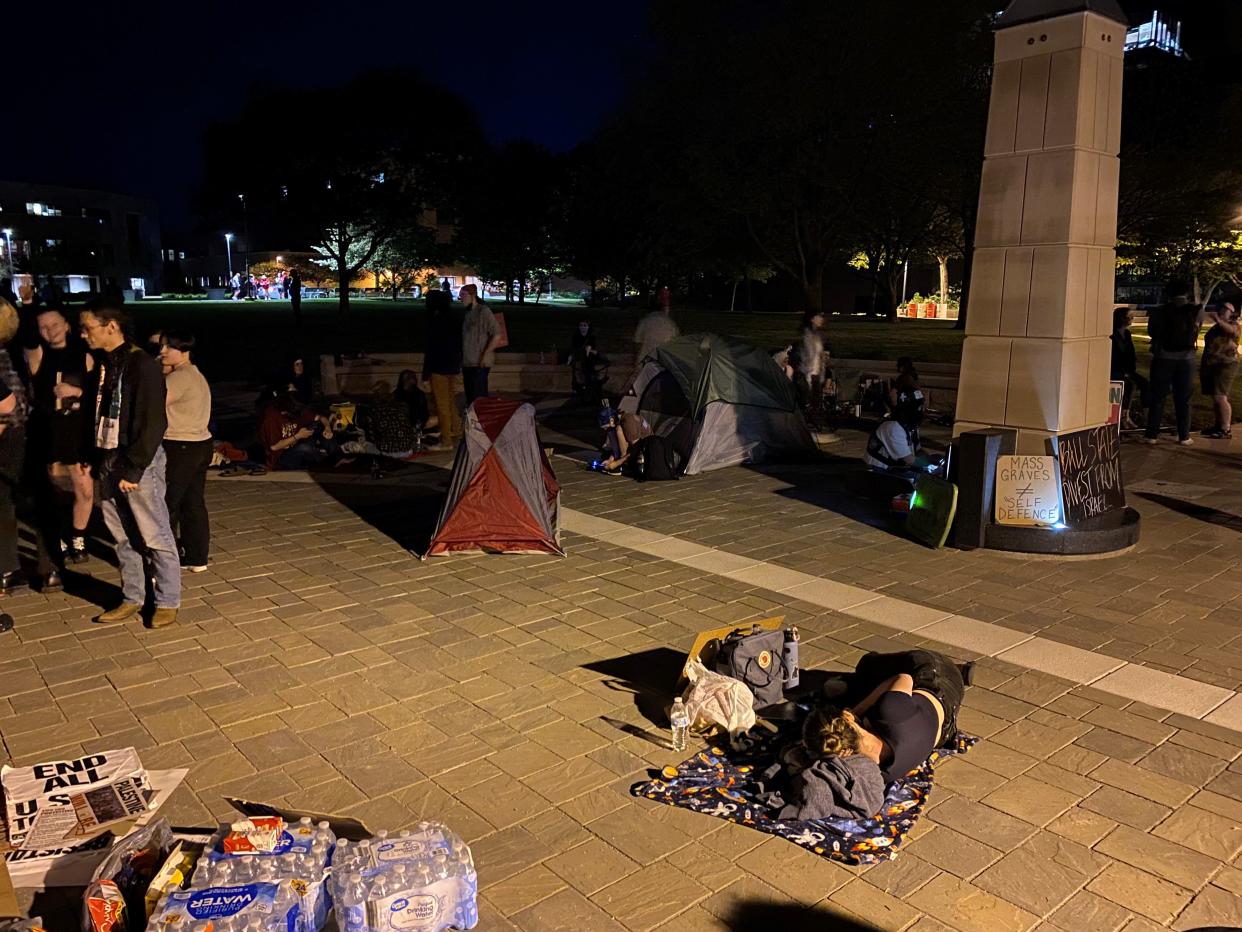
143,416
1124,360
443,349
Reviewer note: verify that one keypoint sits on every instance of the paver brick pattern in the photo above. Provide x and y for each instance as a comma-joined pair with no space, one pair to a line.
318,664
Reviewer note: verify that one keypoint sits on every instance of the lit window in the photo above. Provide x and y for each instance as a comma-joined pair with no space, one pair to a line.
53,243
42,210
181,255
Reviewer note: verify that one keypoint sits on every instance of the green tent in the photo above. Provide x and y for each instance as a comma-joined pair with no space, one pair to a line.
724,403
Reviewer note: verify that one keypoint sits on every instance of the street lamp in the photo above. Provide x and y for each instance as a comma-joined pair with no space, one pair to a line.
228,247
8,249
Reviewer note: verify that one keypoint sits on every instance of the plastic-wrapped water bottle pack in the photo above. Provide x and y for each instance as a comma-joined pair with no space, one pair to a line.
417,881
301,851
251,907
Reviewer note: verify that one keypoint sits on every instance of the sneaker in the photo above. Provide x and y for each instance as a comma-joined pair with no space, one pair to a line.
195,567
1185,442
123,612
11,582
163,617
52,583
1212,433
1148,440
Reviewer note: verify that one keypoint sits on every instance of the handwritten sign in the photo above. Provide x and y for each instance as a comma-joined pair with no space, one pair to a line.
1116,397
1027,491
1090,463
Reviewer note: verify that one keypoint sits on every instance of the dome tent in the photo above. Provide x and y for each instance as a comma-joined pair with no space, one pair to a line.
721,402
503,496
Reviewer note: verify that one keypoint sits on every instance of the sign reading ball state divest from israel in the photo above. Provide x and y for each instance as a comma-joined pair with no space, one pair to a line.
1028,491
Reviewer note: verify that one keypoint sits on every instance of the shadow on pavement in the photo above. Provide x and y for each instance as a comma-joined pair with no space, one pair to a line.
1192,510
759,916
651,675
403,505
830,485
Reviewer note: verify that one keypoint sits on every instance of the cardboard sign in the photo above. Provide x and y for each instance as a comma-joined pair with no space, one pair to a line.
1116,397
1090,462
1027,491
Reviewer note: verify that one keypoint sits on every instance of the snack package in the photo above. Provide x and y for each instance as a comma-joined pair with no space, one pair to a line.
259,834
131,867
22,925
274,907
105,907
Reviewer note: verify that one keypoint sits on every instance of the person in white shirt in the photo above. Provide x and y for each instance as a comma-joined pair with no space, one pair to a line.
894,447
188,446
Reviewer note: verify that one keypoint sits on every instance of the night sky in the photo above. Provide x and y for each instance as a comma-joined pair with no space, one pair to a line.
118,101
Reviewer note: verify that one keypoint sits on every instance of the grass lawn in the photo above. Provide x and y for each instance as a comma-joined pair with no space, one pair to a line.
248,340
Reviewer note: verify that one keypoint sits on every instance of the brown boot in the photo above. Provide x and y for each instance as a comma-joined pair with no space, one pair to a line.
123,612
163,617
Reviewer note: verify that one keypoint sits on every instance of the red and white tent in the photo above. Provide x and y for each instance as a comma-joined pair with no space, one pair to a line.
503,496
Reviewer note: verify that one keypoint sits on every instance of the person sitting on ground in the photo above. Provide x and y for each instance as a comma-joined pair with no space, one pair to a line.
414,399
623,435
294,436
1218,367
586,362
1124,364
895,447
909,706
825,775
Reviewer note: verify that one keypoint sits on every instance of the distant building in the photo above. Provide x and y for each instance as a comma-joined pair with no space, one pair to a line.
1157,35
81,239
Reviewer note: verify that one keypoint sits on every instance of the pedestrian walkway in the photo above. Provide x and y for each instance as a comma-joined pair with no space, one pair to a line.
319,664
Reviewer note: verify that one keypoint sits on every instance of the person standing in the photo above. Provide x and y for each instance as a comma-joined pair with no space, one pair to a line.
130,421
62,395
187,447
653,331
809,362
1124,364
479,335
665,298
1174,330
1218,367
295,296
12,451
442,364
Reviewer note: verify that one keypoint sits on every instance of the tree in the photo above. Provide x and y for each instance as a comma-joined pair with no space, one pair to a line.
403,258
350,191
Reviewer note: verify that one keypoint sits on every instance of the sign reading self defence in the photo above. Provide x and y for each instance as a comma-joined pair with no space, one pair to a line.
1090,472
1028,493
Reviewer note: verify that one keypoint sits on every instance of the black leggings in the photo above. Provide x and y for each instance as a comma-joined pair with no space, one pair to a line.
935,673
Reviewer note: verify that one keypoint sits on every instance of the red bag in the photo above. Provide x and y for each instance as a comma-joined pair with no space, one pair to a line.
502,331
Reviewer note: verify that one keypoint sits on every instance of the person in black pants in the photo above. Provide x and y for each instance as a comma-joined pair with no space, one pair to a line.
904,705
188,446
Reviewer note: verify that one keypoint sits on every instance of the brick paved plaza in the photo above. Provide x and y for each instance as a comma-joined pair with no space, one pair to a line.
321,665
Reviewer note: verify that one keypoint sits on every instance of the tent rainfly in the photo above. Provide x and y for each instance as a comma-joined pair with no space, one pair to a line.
721,403
503,496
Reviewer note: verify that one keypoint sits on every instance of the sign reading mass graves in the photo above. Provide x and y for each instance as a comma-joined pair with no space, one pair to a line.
1090,472
1027,492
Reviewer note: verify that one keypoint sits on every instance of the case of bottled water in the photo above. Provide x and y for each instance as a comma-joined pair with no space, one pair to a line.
250,907
421,880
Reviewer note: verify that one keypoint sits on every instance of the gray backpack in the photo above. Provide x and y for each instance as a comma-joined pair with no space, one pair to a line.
758,660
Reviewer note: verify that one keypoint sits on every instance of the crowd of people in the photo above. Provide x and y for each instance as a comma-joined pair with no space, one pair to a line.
283,286
1174,331
87,417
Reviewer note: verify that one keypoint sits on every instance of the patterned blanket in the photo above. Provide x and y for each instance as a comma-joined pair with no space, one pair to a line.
722,784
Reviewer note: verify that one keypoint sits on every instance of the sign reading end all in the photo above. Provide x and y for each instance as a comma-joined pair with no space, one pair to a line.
1028,491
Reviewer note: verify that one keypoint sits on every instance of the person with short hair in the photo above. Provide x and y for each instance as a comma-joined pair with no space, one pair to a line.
1218,367
480,333
1124,363
1174,330
130,422
13,412
61,372
895,446
188,448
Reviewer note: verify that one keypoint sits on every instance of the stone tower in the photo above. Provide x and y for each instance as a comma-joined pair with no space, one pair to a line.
1036,357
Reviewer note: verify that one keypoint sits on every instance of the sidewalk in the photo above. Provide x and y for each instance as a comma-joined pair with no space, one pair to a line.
319,664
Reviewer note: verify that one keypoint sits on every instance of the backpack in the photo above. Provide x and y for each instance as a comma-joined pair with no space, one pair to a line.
660,461
1178,329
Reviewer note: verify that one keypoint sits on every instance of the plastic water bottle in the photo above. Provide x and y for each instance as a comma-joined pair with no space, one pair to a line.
679,720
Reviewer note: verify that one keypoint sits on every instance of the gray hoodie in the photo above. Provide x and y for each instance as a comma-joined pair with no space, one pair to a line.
832,788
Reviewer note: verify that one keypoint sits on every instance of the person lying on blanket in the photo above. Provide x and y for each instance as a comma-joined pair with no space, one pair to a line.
824,776
908,708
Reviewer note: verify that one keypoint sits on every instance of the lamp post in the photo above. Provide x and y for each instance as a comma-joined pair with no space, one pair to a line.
228,247
8,249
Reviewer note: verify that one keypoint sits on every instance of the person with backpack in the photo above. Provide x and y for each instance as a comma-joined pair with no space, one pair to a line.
1174,331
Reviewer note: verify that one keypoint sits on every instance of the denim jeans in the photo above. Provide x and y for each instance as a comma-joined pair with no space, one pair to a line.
138,521
475,379
1179,376
310,452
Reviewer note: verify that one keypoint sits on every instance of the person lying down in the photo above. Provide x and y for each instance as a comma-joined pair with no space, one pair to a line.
824,776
